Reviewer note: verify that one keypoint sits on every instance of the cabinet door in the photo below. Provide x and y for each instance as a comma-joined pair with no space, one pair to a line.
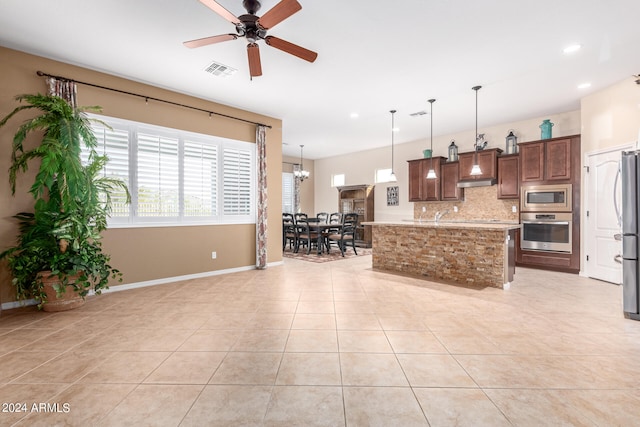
508,177
486,161
532,162
558,160
416,180
465,164
431,186
449,174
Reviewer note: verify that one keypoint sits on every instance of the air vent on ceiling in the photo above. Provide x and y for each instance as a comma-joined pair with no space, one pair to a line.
220,70
418,113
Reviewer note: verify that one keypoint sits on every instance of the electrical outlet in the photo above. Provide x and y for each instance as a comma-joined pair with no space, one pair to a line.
214,255
424,209
455,209
514,209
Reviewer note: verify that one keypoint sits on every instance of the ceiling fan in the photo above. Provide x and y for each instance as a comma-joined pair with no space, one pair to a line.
255,28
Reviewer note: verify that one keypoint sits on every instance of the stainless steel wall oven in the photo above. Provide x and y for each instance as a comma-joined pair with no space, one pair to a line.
546,231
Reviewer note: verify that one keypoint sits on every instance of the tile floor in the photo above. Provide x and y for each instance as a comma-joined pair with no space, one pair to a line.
330,344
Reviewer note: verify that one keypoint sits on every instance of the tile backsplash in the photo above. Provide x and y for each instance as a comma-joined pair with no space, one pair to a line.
478,203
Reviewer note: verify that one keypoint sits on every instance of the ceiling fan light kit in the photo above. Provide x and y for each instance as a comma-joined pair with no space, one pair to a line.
254,29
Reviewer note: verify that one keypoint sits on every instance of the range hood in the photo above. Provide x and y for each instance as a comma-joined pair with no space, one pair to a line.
484,182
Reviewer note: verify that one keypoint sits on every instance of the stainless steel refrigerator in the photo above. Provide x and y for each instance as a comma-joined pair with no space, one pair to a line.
630,180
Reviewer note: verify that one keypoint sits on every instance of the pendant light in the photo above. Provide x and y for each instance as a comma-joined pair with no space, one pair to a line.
432,173
475,170
301,173
392,177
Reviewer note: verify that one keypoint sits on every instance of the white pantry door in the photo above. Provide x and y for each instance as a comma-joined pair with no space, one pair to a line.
600,221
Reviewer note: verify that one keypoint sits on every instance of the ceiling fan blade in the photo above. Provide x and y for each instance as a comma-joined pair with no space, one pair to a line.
291,48
253,52
278,13
217,8
210,40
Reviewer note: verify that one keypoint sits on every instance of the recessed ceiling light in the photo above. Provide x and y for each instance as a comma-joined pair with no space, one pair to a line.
584,85
572,48
396,129
355,115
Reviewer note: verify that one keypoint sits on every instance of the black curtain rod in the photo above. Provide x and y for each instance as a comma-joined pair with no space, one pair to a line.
40,73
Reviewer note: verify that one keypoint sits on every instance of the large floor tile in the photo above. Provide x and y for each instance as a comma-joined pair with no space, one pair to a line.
382,406
248,368
363,341
533,408
301,340
369,369
187,367
229,405
309,369
414,342
305,406
460,407
153,405
434,370
126,367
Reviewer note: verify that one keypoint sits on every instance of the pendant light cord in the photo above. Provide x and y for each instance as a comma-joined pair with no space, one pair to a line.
475,143
392,125
431,101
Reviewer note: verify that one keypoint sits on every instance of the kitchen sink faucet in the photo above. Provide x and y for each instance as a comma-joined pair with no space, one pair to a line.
440,215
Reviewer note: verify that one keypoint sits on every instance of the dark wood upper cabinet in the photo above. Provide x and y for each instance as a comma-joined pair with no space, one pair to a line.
421,188
509,176
487,160
532,161
547,160
450,172
558,159
415,180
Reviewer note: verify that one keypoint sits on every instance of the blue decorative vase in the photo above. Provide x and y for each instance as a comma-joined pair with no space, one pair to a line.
426,153
546,129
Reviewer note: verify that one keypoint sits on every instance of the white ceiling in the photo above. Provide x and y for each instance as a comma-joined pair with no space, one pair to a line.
373,56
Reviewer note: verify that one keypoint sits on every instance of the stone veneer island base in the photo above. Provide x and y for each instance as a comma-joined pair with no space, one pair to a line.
468,253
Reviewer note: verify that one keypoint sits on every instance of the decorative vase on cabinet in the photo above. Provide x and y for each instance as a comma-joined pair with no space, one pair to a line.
546,129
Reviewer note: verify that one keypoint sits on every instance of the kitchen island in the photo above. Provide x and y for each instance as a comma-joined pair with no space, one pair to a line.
470,253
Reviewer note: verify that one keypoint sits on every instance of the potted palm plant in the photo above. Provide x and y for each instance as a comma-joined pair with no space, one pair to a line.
58,257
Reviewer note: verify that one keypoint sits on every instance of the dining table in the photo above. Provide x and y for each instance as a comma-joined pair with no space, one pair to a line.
315,225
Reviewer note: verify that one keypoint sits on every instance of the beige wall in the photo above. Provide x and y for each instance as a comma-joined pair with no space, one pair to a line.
361,169
143,254
611,117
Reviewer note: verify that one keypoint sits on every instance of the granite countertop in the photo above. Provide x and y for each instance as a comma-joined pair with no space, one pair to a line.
475,224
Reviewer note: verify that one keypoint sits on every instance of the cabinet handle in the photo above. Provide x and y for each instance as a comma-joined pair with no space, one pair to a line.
618,259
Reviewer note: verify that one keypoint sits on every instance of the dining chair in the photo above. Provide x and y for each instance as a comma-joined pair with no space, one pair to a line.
300,215
346,235
289,231
305,235
334,218
323,217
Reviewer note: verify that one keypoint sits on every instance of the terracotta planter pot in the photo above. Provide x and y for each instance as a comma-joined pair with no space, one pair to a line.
67,301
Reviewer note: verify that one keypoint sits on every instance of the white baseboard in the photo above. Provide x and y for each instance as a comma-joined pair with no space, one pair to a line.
136,285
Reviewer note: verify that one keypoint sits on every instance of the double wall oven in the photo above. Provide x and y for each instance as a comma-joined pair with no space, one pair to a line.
546,218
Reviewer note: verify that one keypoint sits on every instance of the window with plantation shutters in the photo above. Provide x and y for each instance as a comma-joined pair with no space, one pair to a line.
157,176
287,192
237,165
200,179
114,143
177,177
